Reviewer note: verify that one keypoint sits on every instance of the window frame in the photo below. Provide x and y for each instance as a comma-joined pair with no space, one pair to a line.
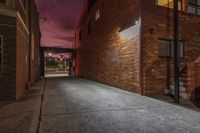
171,53
1,54
180,1
195,6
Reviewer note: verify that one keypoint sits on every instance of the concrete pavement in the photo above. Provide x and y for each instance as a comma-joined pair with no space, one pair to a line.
82,106
21,116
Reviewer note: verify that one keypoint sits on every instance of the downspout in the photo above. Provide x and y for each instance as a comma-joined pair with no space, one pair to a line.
30,41
141,50
168,34
176,58
75,55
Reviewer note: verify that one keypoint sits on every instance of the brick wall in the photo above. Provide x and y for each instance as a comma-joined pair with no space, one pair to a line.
22,57
155,27
23,9
106,56
194,84
128,63
34,42
7,78
16,50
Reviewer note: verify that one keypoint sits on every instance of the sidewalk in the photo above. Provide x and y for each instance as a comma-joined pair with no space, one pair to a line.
22,116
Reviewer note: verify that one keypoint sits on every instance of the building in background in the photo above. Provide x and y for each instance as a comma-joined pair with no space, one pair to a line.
129,44
20,39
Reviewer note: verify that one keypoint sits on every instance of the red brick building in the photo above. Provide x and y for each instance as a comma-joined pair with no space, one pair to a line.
20,38
127,44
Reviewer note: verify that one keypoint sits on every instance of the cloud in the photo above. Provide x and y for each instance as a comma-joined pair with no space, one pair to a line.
58,19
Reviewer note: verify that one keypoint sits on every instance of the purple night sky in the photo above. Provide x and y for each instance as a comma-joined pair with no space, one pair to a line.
58,20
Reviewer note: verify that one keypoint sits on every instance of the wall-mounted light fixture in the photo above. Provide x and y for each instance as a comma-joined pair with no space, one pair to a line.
131,31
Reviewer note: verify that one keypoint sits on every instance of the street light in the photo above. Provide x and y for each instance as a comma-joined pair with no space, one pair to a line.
176,52
50,54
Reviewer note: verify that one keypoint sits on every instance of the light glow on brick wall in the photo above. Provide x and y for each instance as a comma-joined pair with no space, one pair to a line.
131,31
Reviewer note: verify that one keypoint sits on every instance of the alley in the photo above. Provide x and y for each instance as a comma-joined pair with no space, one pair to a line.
81,106
99,66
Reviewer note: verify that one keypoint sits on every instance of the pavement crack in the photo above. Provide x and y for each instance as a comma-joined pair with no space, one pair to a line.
41,106
83,112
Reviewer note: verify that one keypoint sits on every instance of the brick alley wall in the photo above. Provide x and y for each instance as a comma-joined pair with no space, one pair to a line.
22,57
34,42
194,84
16,48
106,56
155,27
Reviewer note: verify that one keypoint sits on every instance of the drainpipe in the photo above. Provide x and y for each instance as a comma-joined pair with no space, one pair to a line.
141,51
176,62
30,39
168,34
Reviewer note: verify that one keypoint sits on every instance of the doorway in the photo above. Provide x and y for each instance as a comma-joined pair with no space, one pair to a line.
56,62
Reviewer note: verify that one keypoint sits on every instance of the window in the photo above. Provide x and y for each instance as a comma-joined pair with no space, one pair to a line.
90,26
194,6
166,48
2,1
180,49
169,4
198,11
1,53
198,8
